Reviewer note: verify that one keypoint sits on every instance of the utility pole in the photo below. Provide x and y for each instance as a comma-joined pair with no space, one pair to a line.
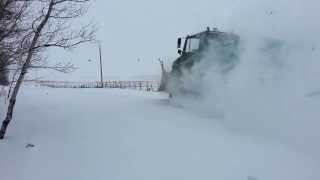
101,73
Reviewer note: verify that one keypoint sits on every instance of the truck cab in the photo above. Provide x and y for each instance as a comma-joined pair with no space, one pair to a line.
212,42
213,47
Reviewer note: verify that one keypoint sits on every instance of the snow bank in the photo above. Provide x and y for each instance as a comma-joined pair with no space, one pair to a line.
119,134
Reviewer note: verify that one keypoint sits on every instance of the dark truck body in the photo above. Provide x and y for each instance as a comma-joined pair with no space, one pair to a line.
220,48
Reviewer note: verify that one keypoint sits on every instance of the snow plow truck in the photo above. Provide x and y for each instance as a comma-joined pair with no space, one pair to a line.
209,48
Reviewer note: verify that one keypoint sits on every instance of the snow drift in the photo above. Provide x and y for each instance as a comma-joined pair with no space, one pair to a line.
124,134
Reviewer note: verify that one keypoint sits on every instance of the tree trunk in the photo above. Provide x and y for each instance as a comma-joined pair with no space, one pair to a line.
12,102
23,72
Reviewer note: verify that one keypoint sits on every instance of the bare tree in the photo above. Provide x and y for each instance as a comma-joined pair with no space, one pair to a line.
13,28
4,81
9,31
49,26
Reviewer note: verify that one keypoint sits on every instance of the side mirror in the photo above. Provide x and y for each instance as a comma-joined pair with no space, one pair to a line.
179,43
179,51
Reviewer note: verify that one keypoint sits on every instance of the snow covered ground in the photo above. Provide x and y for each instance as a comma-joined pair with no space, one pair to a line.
100,134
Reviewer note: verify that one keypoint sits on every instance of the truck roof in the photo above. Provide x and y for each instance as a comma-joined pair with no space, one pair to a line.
213,33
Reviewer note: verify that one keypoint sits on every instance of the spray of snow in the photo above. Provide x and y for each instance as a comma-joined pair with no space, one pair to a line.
266,94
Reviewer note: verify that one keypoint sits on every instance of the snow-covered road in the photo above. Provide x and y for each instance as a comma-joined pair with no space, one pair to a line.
101,134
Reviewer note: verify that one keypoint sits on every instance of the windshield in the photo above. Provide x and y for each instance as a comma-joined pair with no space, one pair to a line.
193,44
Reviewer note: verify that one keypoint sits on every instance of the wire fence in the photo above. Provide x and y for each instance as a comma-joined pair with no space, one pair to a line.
146,85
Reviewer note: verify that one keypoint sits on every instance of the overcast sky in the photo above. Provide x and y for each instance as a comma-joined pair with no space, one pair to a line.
148,30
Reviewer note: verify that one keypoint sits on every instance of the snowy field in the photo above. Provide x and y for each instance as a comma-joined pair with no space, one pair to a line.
101,134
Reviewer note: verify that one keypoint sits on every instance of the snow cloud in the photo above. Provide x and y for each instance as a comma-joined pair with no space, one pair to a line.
265,94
